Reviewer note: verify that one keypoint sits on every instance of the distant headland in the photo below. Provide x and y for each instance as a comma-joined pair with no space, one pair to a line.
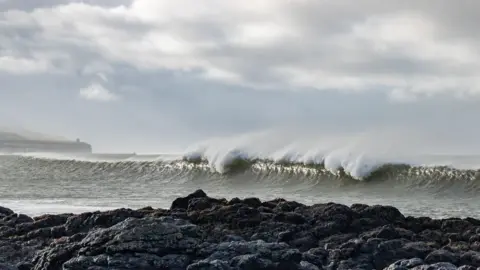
11,142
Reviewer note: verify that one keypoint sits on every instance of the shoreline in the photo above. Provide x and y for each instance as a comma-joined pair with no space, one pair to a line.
200,232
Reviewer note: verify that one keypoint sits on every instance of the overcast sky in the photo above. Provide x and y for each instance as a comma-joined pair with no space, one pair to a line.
147,75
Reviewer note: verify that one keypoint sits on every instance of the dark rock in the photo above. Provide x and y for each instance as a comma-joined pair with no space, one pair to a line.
210,265
405,264
199,204
466,267
385,232
199,232
252,202
334,241
247,262
442,255
24,266
182,203
304,243
328,228
388,214
4,266
393,250
293,218
436,266
315,257
285,206
455,225
363,261
470,258
5,212
304,265
431,235
458,247
234,201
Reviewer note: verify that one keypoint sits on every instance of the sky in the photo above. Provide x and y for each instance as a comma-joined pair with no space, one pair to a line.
158,75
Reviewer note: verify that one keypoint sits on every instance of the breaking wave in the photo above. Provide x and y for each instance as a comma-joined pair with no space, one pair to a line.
238,163
392,158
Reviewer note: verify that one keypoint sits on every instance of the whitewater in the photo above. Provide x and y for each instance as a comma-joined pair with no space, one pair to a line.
430,181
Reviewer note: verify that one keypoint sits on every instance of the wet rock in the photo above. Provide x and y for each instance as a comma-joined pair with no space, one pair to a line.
304,265
387,214
442,255
405,264
182,203
470,258
247,262
455,225
436,266
431,235
5,212
466,267
252,202
4,266
329,228
386,232
304,243
210,265
284,206
199,232
292,218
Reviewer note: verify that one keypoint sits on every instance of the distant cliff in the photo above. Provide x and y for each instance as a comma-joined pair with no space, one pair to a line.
13,143
29,134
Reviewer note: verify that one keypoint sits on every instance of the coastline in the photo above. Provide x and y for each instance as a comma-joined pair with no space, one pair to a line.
199,232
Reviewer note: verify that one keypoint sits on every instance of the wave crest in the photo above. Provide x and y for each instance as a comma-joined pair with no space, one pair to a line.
237,162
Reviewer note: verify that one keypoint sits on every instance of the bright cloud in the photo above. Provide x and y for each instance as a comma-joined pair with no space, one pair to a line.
97,92
412,46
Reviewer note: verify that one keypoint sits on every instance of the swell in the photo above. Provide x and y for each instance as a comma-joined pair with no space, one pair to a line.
186,169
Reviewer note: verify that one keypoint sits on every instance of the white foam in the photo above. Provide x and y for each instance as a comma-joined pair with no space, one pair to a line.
357,154
37,207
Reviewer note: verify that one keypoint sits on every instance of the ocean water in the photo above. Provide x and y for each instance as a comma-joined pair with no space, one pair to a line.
440,185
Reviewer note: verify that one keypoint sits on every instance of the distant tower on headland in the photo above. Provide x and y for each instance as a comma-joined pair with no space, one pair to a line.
12,143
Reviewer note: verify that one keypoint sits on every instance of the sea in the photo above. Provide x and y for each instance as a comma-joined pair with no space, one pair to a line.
437,185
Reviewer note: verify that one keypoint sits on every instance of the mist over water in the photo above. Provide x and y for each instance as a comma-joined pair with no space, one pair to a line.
419,173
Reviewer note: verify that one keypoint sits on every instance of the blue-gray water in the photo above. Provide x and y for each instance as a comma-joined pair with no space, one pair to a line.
39,184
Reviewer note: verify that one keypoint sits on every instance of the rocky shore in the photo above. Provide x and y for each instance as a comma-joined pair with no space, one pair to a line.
203,233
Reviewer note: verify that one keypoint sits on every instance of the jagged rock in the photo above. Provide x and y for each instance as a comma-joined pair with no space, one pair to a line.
442,255
246,262
466,267
182,203
405,264
5,212
151,241
210,265
4,266
436,266
304,265
203,233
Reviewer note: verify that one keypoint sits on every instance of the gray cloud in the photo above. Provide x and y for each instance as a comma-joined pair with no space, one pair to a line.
324,45
187,70
31,5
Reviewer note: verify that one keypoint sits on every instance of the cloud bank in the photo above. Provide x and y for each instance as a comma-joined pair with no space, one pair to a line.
212,67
